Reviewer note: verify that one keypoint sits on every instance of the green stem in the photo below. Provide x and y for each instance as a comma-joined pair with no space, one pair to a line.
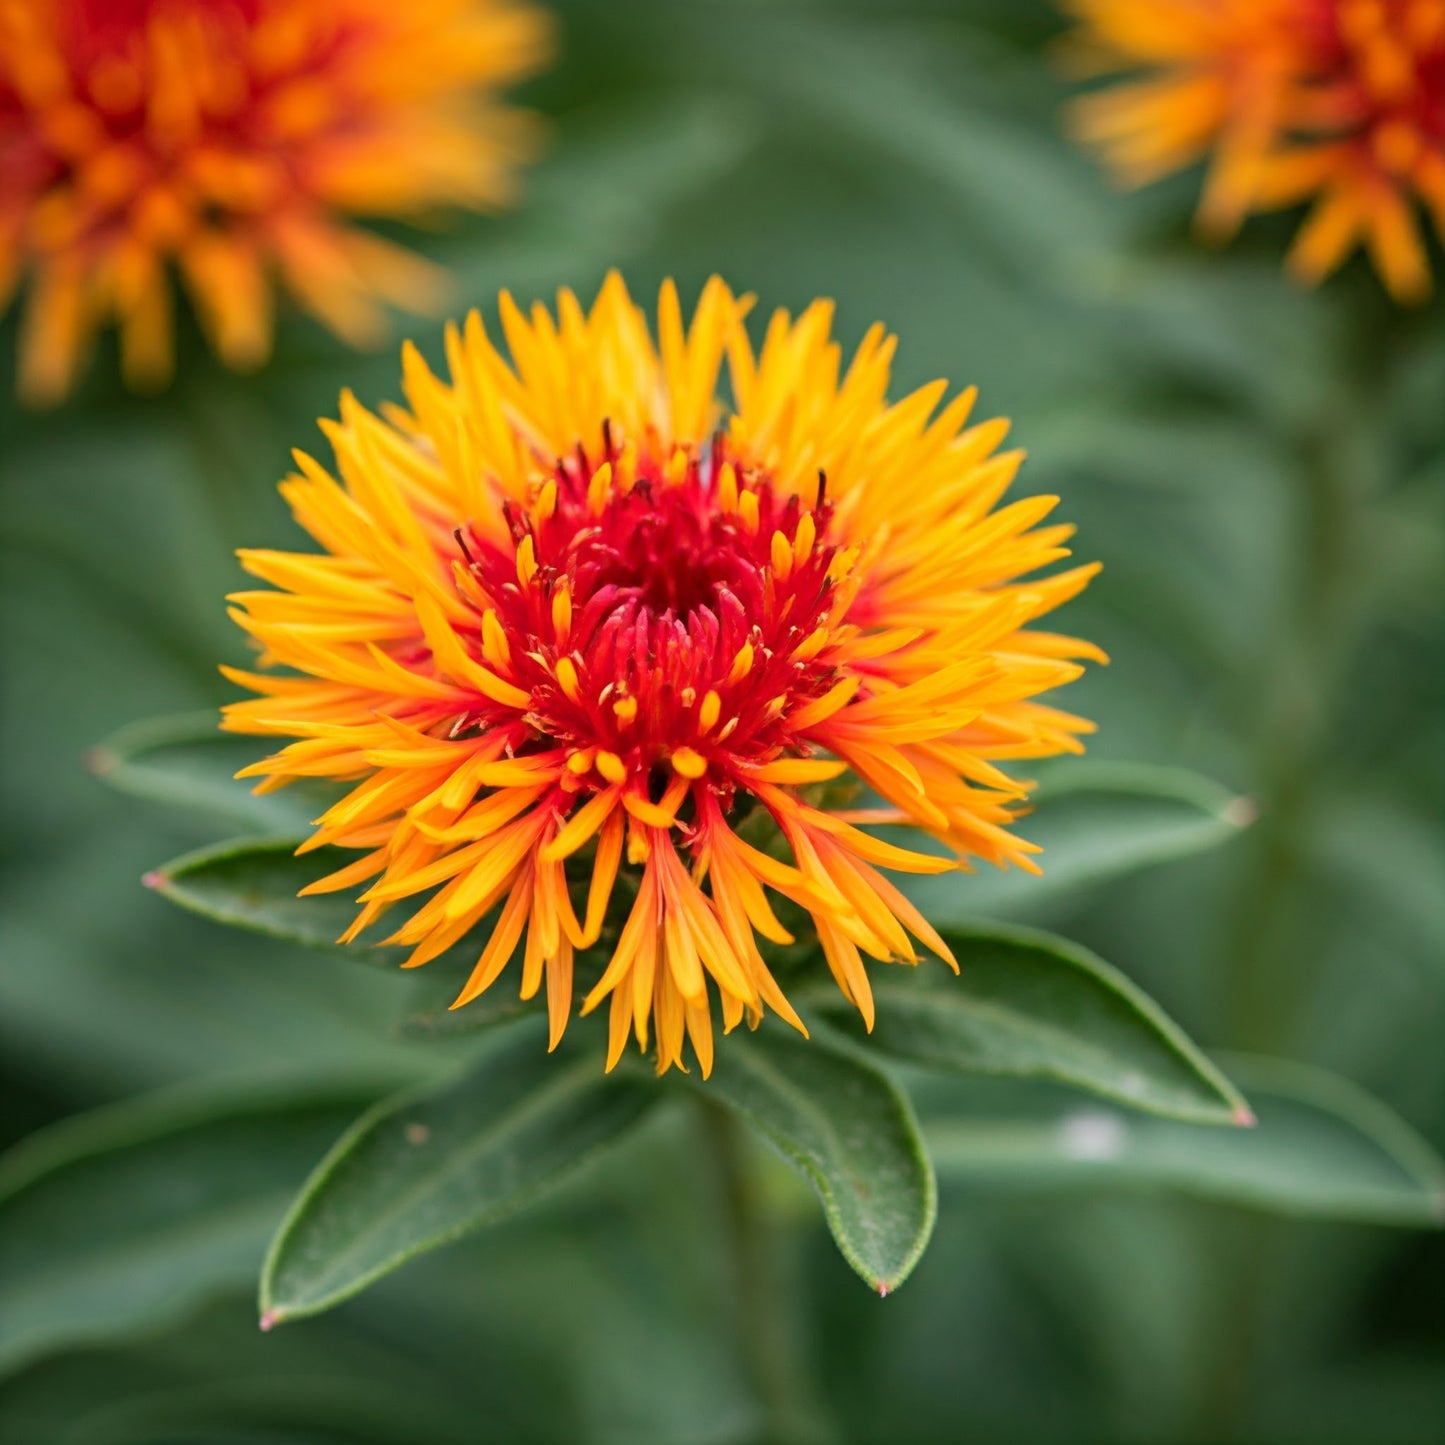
1294,735
1263,979
765,1317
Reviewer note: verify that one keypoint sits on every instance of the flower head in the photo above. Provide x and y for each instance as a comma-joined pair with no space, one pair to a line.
226,139
564,626
1339,100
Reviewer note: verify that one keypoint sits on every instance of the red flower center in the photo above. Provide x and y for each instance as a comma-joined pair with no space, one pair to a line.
658,604
1389,56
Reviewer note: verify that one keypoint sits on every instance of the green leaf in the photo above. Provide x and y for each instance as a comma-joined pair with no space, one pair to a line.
849,1128
1094,821
1323,1148
185,759
486,1012
425,1167
253,883
1029,1004
130,1217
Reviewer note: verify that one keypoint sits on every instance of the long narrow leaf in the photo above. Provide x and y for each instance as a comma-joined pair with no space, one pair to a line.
423,1168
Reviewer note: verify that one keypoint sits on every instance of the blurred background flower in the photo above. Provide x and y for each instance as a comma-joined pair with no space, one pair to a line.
1340,102
230,141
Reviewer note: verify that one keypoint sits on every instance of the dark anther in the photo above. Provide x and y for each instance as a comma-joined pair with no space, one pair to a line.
607,437
822,490
462,543
516,525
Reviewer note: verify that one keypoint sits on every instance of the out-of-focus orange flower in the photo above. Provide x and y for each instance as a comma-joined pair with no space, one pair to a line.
1342,101
567,615
227,139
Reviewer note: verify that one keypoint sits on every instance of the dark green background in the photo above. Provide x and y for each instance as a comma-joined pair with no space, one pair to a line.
1259,468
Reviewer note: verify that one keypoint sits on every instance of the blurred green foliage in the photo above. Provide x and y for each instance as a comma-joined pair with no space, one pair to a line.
1261,470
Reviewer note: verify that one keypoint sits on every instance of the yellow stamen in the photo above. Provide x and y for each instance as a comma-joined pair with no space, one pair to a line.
611,767
567,678
598,488
748,511
689,763
562,613
727,489
782,557
526,561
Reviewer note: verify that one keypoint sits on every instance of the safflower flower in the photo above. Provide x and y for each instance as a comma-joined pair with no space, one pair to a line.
569,613
1341,102
231,141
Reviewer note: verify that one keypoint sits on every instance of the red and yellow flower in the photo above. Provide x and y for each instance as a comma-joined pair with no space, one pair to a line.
227,139
1342,101
569,619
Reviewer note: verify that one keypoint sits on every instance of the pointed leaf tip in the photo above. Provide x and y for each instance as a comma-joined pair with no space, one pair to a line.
845,1125
1241,811
257,884
1030,1004
269,1320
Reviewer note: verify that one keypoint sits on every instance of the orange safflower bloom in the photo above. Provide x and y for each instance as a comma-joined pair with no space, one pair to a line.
1339,100
226,139
561,606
